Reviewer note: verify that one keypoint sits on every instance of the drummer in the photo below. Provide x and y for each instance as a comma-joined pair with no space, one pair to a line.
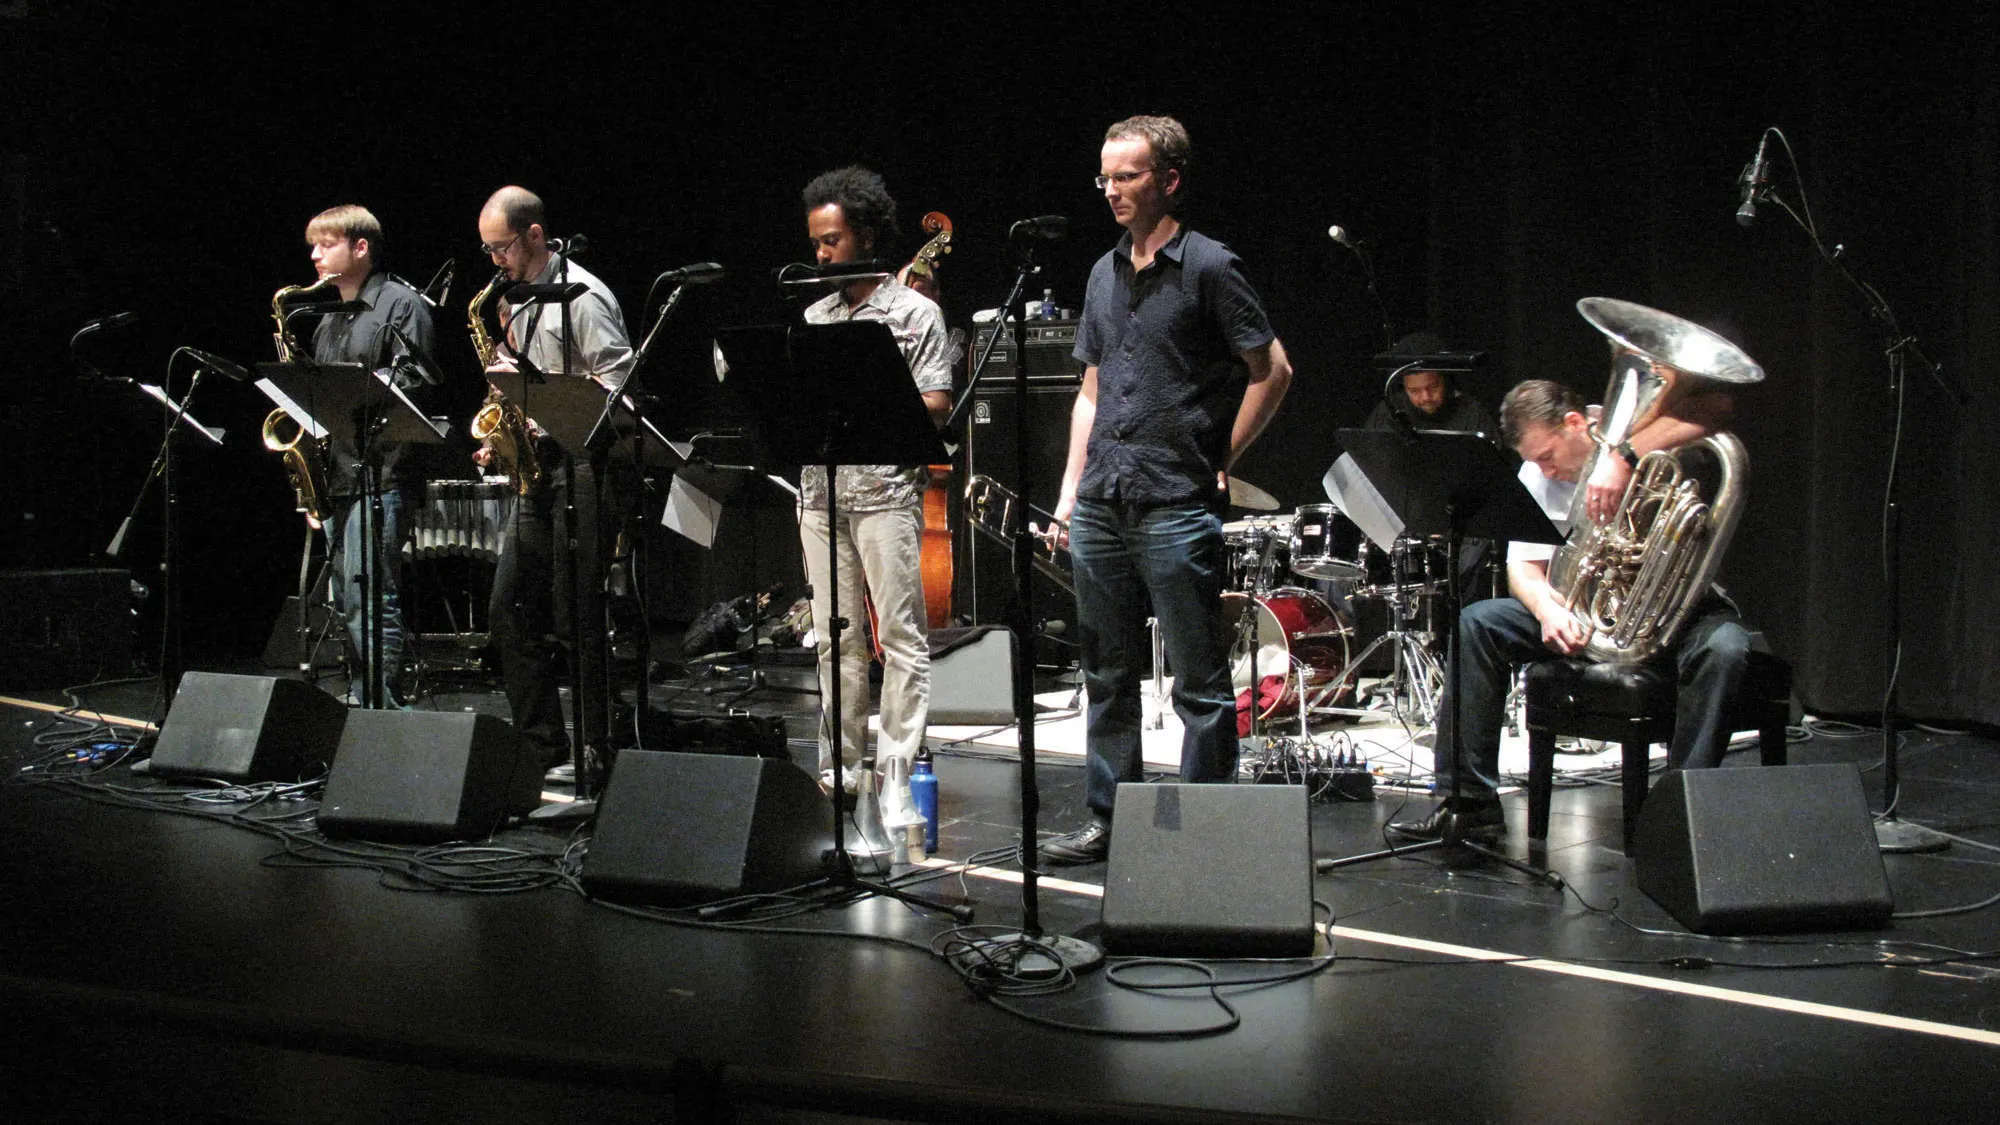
1422,393
1422,390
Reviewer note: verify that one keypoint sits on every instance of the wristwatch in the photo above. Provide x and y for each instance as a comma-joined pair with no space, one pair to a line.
1625,450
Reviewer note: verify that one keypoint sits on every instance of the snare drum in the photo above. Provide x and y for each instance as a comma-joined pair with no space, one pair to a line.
1298,634
1326,544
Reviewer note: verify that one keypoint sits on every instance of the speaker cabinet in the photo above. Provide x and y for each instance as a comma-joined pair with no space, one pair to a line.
1735,851
248,728
674,828
972,676
1210,871
427,777
986,571
62,627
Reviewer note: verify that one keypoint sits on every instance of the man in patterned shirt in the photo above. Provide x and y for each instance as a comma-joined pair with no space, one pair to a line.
850,216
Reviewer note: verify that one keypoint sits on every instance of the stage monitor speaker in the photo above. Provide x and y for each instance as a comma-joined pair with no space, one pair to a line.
424,777
972,676
248,728
1762,850
1210,871
678,828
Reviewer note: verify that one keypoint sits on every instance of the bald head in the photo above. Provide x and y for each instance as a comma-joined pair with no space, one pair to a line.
513,227
518,207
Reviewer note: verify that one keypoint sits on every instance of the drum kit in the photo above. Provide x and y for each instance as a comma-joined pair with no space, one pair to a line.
1294,640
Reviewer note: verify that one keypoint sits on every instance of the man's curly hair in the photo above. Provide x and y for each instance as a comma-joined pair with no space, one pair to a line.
865,201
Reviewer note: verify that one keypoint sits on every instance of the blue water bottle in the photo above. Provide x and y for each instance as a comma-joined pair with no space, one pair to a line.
923,793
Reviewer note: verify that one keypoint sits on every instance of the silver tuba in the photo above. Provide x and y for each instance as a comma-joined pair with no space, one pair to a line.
1632,581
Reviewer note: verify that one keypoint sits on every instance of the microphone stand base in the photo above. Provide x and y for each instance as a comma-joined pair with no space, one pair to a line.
1899,837
1036,957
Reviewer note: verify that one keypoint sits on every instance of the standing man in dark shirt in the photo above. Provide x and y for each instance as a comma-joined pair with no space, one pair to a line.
1181,373
347,241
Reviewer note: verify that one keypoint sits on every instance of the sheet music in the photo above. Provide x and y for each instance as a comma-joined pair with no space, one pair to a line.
298,413
1351,492
210,432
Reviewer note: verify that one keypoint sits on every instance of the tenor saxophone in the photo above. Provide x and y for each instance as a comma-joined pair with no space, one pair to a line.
305,458
501,427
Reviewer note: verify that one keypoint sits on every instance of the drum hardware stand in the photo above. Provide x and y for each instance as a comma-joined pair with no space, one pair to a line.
1415,670
1458,485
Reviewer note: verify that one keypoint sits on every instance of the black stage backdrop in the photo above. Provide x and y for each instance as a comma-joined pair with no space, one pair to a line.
1501,162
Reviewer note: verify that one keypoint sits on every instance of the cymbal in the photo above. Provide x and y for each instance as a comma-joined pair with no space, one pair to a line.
1243,494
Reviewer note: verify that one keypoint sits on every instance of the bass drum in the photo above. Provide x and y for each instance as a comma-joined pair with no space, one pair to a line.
1297,634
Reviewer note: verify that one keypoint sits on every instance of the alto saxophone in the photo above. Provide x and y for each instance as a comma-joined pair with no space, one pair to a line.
501,426
305,457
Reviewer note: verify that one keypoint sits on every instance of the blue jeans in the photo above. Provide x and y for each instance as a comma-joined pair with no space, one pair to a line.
1132,561
1497,635
347,546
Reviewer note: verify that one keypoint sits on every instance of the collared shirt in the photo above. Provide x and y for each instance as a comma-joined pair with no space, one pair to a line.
599,344
364,338
1554,496
1167,342
918,326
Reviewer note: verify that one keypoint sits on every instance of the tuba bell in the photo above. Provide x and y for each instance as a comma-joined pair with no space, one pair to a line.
1632,581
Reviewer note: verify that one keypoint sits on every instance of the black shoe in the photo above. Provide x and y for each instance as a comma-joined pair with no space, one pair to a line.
1482,819
1089,844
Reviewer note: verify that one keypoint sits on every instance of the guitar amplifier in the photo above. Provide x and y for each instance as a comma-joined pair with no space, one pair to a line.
1049,345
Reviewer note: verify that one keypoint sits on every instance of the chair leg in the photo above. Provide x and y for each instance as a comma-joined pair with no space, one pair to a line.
1634,777
1541,781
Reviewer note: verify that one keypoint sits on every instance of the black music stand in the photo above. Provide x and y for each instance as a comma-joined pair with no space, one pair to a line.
1457,485
832,395
345,405
162,470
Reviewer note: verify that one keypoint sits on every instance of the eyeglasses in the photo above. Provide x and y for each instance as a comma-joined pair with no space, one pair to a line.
499,251
1122,179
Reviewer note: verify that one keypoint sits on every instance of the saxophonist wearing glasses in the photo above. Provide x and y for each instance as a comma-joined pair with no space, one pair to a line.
540,586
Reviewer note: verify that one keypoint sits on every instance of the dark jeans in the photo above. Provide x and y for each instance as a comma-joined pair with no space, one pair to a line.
1497,635
535,585
1166,561
347,548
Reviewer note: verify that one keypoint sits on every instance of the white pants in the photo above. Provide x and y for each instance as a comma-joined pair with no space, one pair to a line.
884,549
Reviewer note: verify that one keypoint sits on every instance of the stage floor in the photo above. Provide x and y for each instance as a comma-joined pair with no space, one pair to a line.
174,958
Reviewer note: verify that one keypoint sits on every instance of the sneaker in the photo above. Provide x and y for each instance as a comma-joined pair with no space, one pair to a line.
1483,819
1088,844
564,774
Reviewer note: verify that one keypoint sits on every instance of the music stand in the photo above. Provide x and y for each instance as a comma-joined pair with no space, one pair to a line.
832,395
1453,484
162,470
347,406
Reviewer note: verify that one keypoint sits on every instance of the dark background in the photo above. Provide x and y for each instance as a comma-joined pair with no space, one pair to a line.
1501,163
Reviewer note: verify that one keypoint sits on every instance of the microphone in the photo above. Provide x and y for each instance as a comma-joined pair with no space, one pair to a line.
1041,228
1752,181
411,360
700,273
440,284
1339,234
573,246
218,364
115,320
